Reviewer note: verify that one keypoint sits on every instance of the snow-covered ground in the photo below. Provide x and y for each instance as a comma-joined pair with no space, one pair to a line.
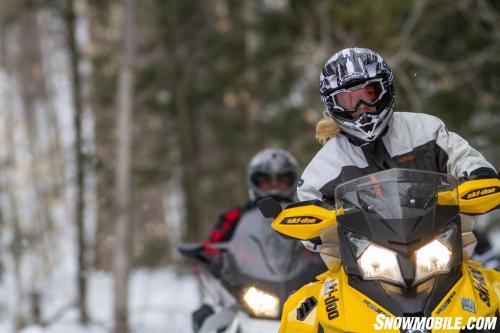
157,304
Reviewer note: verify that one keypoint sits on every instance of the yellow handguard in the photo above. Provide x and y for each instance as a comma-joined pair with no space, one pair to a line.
304,222
478,196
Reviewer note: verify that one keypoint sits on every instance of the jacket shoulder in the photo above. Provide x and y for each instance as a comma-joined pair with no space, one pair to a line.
327,165
409,130
328,156
417,120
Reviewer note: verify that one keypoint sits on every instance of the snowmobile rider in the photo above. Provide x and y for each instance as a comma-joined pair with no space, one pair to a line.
271,172
362,134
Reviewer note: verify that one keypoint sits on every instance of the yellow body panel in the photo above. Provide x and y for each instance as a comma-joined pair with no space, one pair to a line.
341,308
304,222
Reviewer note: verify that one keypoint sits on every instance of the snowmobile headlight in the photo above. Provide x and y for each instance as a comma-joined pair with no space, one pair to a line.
379,263
261,303
375,262
432,259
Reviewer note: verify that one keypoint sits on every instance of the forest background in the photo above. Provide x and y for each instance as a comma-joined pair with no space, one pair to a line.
126,126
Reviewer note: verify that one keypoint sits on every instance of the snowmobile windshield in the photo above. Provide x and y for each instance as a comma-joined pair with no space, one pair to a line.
256,252
257,264
396,193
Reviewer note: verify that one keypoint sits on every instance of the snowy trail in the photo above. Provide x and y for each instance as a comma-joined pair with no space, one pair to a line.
157,306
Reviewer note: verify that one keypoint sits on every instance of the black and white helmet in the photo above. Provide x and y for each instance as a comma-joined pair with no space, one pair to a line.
273,163
342,79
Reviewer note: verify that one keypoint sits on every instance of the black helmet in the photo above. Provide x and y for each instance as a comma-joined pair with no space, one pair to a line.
356,76
268,164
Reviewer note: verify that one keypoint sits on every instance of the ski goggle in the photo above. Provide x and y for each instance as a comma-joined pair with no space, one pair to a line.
369,92
282,180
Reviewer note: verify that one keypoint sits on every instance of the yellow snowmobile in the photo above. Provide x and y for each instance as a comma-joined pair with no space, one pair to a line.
397,252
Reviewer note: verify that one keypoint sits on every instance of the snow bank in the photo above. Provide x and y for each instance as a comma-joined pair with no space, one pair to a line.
161,302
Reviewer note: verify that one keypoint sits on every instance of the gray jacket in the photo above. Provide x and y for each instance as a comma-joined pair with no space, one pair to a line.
412,140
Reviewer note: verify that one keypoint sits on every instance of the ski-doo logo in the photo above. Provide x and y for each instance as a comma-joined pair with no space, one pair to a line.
328,286
481,192
301,220
480,285
331,303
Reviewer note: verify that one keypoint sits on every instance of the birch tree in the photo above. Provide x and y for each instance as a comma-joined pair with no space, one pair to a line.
125,100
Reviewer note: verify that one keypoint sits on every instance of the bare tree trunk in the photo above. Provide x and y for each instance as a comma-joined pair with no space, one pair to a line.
16,247
104,127
11,210
122,186
252,45
29,69
16,250
74,56
190,166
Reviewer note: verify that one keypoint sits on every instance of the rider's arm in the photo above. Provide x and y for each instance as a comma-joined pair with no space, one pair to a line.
318,173
458,158
479,183
223,229
306,192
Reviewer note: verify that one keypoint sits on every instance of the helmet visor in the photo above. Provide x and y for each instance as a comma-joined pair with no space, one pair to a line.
369,93
278,182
